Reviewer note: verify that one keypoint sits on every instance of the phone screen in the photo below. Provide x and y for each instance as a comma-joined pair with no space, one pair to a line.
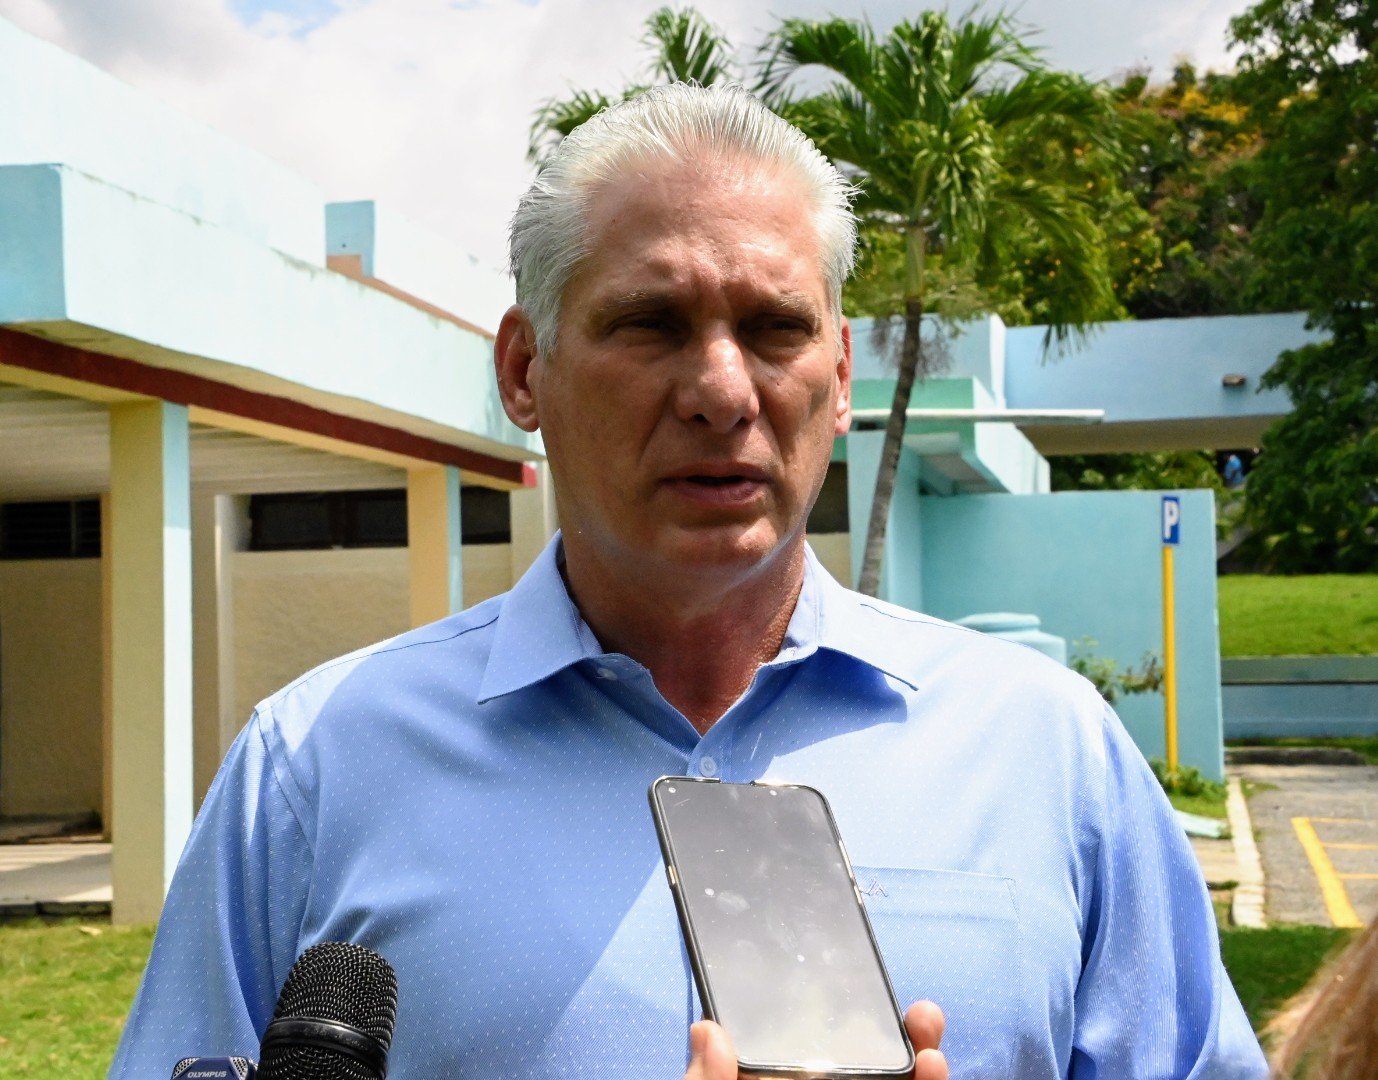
784,955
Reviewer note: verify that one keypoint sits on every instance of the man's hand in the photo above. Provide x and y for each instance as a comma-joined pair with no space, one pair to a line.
712,1056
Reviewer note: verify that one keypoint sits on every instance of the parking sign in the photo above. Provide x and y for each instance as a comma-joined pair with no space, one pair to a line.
1172,519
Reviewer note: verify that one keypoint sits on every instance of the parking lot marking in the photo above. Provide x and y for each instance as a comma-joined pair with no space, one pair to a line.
1360,877
1337,903
1353,847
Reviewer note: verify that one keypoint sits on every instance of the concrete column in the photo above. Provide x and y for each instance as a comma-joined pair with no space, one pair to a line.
863,463
107,694
219,528
533,521
151,652
434,543
232,536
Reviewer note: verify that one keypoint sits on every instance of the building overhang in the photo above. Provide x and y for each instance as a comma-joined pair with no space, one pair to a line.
150,300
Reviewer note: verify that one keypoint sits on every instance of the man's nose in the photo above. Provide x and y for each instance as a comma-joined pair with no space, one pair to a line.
717,388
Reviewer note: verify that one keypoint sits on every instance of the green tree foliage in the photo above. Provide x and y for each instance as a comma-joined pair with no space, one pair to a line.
1159,471
980,172
683,47
1190,142
1308,71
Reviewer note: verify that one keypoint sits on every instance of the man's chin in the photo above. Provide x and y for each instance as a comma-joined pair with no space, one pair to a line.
732,547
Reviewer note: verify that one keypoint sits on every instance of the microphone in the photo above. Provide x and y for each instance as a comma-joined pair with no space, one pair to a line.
220,1068
334,1017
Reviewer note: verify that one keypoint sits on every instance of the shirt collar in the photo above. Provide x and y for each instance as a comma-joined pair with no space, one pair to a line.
858,626
540,632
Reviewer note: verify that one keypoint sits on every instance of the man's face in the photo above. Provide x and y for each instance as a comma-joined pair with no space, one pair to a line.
700,376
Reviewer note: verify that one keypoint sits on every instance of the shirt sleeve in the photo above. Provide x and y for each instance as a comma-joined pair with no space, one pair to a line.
1154,999
229,928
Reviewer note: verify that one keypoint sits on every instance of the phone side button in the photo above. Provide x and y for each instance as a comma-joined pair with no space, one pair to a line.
670,874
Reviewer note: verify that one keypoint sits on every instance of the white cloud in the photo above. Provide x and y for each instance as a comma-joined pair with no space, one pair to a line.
425,104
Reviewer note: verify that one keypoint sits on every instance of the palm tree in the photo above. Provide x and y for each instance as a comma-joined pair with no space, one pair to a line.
970,156
685,47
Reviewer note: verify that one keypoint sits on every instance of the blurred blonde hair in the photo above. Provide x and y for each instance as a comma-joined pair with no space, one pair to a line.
1330,1030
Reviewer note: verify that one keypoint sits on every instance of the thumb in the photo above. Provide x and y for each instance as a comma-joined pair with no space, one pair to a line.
711,1054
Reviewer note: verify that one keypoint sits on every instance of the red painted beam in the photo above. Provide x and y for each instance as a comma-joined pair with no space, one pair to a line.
116,373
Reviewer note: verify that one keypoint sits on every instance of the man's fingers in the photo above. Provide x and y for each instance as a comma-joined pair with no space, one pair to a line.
711,1054
930,1065
924,1022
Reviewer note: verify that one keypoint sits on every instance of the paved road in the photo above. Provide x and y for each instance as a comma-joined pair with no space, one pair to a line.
1317,828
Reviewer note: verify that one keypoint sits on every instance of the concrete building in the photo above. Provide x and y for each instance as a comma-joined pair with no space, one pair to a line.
242,431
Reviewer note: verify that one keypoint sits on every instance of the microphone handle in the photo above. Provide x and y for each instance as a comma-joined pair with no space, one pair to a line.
215,1068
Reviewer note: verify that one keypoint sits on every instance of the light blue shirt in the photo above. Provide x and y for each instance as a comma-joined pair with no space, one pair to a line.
469,799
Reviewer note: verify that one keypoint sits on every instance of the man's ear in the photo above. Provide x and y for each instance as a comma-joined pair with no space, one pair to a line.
844,380
514,351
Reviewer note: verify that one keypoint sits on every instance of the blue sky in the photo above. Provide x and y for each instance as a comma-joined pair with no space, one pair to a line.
308,13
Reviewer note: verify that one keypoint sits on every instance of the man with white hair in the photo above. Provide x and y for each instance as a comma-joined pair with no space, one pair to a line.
469,798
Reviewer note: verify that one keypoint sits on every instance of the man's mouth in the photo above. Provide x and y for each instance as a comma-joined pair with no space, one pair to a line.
716,481
720,486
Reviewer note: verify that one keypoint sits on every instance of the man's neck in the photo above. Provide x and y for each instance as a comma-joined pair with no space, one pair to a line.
701,641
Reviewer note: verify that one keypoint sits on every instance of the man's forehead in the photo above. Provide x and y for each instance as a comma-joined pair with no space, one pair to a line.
648,229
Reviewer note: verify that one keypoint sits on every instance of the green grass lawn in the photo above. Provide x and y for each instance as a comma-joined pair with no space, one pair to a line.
1269,966
64,990
1324,614
1211,805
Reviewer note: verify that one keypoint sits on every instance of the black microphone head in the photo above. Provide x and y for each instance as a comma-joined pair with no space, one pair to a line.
334,1017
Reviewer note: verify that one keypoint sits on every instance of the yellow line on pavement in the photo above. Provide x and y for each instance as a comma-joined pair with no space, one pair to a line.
1359,877
1353,847
1337,903
1338,820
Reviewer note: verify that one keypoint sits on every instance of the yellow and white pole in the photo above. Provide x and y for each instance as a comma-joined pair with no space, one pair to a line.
1172,517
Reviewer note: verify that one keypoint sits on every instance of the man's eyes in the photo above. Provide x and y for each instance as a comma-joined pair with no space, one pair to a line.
764,330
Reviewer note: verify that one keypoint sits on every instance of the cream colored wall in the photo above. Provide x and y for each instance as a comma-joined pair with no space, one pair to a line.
487,571
50,686
834,551
296,609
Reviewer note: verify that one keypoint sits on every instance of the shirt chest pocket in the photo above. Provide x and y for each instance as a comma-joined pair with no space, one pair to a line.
954,938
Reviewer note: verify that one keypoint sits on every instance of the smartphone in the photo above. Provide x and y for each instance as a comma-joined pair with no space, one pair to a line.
777,936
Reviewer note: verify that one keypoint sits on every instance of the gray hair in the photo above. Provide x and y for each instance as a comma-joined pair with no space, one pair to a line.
679,122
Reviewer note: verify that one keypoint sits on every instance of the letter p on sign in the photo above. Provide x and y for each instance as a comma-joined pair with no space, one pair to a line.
1172,519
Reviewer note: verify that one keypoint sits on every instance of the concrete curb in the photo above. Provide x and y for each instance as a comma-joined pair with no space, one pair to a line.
1247,908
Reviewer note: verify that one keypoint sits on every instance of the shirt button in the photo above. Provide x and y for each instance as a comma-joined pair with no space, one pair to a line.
708,767
606,673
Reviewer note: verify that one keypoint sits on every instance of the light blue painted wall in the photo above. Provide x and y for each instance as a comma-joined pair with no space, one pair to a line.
1161,369
61,110
1311,709
140,279
350,228
999,452
900,578
419,262
1088,564
1005,454
31,265
973,350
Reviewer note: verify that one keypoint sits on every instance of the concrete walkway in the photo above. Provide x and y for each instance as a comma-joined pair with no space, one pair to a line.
55,879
